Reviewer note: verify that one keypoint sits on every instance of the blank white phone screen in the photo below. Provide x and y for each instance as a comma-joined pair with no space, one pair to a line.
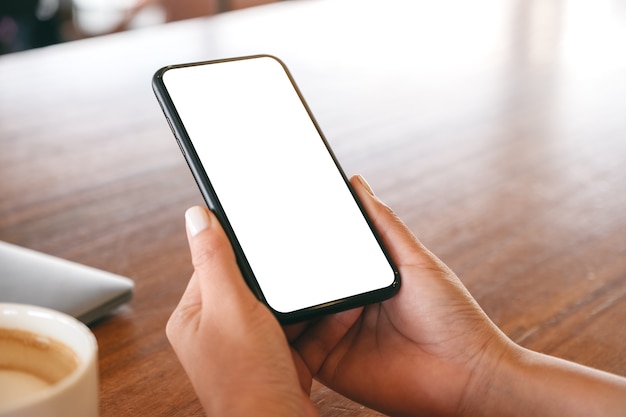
300,228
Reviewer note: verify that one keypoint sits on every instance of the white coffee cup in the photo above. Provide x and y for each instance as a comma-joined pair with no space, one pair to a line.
48,364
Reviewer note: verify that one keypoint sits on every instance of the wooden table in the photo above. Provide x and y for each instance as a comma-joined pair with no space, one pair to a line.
496,130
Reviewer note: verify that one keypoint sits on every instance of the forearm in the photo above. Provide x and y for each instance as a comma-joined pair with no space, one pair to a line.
531,384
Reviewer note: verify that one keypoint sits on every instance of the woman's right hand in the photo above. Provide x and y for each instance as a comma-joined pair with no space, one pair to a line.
423,352
431,350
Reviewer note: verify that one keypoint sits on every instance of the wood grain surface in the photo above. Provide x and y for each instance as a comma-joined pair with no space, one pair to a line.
495,129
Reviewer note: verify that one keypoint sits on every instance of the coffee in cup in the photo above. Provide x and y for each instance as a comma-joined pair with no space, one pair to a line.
47,364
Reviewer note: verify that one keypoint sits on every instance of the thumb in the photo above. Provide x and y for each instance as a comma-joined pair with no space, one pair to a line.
215,266
404,247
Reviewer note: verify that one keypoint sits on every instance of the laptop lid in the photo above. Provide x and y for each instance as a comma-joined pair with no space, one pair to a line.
31,277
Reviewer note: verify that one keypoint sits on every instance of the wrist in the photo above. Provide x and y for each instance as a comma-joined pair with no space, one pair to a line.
522,383
490,376
255,398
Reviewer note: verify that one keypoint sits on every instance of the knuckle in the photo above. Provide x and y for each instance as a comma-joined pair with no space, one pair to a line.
207,250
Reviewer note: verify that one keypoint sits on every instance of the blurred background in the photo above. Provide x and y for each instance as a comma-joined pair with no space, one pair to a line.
27,24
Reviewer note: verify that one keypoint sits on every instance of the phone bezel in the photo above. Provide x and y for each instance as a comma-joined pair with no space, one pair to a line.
212,200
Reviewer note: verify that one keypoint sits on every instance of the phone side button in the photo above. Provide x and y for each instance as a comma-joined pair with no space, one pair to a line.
169,122
181,148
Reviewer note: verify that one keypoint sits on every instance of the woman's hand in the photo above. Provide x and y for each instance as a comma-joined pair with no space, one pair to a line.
232,348
422,352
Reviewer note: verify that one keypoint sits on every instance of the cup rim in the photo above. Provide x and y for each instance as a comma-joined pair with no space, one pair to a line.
7,309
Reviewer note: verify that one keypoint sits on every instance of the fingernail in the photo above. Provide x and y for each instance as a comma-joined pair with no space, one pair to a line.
197,219
365,185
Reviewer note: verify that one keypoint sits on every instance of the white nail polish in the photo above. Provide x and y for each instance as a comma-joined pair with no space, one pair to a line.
196,219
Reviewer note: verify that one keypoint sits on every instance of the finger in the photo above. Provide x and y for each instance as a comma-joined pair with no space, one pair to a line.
426,281
404,247
191,299
185,315
323,336
219,279
293,331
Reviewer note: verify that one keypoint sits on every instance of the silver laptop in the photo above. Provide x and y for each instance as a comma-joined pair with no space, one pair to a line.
31,277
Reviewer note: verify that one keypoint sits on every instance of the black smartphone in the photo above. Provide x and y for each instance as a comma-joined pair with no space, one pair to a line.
303,242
